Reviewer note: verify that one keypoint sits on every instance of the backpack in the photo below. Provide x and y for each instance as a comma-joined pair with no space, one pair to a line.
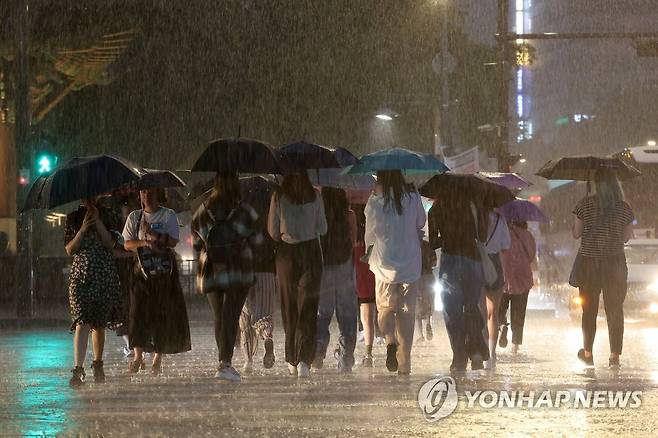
223,243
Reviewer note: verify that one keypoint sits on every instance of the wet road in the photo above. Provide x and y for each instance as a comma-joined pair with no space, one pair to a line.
187,401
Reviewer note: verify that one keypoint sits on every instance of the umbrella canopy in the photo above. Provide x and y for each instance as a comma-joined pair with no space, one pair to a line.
304,155
81,178
583,168
335,178
512,181
467,186
239,155
409,162
159,179
255,190
521,210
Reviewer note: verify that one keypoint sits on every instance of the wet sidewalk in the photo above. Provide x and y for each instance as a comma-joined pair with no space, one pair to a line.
187,401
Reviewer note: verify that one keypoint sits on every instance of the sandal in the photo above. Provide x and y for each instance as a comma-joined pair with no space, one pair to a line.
135,365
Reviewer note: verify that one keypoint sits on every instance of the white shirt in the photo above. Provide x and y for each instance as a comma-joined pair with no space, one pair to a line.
296,223
395,239
162,221
498,235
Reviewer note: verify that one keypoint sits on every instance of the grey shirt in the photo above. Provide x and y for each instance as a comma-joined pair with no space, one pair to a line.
296,223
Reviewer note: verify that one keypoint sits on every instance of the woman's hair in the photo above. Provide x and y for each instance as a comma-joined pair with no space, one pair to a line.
161,195
608,190
298,188
226,190
335,203
394,188
522,225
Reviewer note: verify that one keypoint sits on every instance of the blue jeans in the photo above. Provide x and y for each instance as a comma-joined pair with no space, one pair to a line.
338,293
462,280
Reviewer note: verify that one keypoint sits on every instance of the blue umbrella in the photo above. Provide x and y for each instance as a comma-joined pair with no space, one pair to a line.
302,155
409,162
333,177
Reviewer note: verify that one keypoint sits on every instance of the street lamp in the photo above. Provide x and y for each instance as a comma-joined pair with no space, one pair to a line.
651,142
386,114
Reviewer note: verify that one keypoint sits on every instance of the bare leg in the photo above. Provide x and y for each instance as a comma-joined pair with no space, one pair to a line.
157,359
98,343
386,319
493,299
80,341
368,321
139,353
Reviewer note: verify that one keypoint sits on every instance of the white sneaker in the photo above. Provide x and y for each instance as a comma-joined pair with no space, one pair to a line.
360,337
303,370
248,367
292,370
228,373
490,364
127,352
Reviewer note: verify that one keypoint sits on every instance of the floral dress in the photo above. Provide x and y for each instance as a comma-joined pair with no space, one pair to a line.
93,282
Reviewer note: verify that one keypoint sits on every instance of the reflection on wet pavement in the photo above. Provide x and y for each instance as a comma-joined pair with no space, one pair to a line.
187,401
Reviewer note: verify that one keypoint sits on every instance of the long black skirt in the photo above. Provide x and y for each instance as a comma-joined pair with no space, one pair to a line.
158,316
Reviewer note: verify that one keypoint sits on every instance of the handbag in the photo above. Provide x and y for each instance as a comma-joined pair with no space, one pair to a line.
488,267
152,264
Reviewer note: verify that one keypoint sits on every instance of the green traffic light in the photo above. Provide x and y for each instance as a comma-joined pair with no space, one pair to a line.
45,164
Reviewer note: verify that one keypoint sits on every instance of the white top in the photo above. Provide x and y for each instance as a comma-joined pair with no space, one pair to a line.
296,223
163,221
395,256
499,237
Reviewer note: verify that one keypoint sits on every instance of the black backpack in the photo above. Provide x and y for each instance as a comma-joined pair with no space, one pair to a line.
223,243
337,242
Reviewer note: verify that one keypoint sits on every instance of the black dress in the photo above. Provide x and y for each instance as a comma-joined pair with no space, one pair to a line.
93,281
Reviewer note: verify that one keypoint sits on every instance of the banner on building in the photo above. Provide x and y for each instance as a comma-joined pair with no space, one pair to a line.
466,162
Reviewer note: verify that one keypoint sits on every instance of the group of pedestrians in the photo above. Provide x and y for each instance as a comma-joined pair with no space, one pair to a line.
324,259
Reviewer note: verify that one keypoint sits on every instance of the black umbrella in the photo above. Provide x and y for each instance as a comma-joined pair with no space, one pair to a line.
584,168
159,179
467,186
302,156
255,190
81,178
239,155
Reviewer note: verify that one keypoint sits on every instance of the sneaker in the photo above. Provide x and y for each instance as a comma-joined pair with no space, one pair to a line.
228,373
490,364
476,362
515,348
613,362
268,359
588,361
127,352
303,370
367,361
391,357
248,367
99,373
502,340
292,369
78,377
429,333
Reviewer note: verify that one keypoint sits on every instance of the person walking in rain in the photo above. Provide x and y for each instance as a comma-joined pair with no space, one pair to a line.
93,285
158,316
337,290
517,265
225,234
498,240
454,226
603,223
425,306
296,221
394,221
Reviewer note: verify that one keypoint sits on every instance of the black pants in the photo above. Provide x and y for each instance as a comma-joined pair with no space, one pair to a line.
518,304
227,307
299,271
608,275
